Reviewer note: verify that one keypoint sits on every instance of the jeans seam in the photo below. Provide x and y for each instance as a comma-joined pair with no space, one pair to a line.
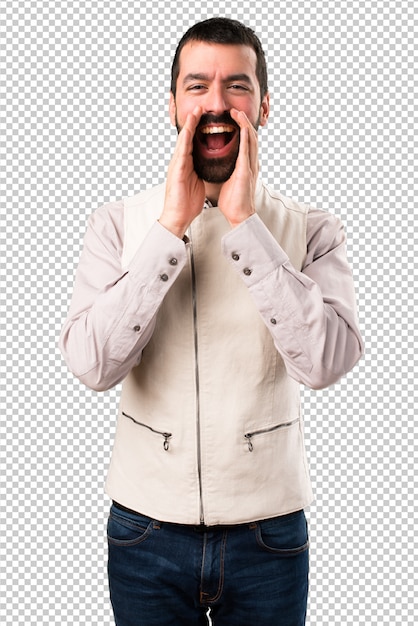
204,597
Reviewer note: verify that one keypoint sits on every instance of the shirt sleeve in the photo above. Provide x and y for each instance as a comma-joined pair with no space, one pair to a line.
112,312
312,313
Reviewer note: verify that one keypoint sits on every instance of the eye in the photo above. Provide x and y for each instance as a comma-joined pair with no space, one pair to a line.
197,87
237,87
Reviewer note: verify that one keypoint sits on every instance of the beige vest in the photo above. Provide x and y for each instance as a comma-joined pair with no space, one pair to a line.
209,428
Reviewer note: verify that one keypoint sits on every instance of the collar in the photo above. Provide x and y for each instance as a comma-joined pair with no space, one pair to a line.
259,185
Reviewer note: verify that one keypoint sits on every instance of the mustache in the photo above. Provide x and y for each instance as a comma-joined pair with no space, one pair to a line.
224,118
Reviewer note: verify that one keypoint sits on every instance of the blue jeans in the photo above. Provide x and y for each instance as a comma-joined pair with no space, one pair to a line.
162,574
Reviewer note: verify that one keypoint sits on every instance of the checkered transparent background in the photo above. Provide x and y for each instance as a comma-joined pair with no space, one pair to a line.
84,93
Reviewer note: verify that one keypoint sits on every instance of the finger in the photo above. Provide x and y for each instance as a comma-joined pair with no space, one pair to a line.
252,142
192,121
243,122
248,138
244,146
240,118
184,146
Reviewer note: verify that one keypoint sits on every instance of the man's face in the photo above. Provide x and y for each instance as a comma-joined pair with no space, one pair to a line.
217,77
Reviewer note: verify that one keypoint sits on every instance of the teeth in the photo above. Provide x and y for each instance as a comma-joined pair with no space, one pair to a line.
212,130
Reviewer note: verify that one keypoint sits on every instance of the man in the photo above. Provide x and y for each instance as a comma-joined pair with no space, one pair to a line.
212,297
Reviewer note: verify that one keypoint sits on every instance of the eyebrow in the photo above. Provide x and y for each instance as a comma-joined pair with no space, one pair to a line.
205,77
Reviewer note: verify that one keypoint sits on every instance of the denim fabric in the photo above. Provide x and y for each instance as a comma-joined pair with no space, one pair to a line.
164,574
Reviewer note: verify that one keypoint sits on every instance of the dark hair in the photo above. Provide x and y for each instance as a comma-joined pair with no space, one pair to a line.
223,30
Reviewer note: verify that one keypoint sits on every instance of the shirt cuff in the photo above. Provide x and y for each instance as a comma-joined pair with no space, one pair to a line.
252,250
160,257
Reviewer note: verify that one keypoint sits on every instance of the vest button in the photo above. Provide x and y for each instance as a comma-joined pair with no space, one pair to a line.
273,321
235,256
247,271
164,277
136,328
173,261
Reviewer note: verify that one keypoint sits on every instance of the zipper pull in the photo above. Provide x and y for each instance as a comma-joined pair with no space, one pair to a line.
249,442
166,443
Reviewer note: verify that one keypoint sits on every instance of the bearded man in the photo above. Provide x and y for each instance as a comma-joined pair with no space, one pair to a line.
212,297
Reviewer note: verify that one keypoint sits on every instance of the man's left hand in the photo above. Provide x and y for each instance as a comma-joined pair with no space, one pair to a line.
236,199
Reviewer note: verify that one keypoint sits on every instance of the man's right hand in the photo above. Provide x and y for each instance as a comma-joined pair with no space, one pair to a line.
185,191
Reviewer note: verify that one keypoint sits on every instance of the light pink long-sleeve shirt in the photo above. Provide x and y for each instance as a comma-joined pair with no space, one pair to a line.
113,310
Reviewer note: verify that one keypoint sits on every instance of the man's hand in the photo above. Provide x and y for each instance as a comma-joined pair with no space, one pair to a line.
237,197
185,192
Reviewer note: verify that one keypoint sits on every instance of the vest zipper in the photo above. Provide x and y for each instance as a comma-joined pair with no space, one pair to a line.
262,431
166,436
196,354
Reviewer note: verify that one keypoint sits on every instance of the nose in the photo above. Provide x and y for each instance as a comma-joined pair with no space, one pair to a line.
216,102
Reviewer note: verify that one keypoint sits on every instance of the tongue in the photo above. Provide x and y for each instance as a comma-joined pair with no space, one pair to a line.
216,141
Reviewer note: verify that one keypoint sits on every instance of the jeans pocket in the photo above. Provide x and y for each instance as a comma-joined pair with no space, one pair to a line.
285,536
124,531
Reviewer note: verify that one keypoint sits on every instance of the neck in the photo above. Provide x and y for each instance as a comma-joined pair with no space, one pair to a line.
212,191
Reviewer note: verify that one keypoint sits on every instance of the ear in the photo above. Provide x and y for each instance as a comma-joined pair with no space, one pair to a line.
265,109
172,109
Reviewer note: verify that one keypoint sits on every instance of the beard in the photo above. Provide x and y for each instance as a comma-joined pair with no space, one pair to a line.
215,170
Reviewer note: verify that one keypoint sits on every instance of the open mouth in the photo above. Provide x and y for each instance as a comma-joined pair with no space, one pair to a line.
216,137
